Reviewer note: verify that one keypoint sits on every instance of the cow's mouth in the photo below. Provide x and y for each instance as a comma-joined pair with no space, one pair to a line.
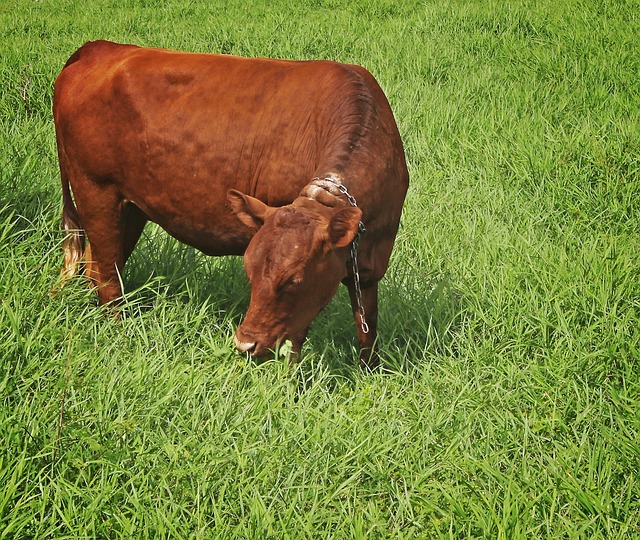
248,346
247,343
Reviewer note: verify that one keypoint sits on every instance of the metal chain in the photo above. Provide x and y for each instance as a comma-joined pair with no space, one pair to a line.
354,253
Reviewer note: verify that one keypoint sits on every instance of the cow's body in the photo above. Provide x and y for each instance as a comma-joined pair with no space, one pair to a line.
149,134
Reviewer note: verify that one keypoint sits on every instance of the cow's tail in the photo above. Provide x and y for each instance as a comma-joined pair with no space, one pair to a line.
73,245
74,236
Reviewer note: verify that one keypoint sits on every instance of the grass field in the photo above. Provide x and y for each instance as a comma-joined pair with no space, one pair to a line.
510,402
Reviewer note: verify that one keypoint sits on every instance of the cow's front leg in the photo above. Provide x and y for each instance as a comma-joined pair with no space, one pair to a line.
365,313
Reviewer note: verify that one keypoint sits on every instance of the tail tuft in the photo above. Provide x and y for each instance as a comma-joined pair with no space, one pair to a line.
72,248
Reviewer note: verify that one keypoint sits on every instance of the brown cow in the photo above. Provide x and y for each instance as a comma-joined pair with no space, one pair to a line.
278,160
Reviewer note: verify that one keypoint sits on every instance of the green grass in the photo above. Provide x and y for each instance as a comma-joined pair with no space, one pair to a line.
510,331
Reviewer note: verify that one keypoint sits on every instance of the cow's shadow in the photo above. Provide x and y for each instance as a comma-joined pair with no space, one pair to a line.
161,264
418,314
418,318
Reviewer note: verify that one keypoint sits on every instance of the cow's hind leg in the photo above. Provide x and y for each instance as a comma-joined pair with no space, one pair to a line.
105,217
132,222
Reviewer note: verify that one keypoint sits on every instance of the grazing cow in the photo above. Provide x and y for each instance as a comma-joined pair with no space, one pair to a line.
286,162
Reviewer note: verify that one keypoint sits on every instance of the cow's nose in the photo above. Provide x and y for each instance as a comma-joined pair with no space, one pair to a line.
244,346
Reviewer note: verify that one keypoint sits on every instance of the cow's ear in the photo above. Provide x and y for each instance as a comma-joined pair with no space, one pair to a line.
343,226
251,211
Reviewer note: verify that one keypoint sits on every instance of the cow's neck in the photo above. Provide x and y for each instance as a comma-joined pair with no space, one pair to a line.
331,191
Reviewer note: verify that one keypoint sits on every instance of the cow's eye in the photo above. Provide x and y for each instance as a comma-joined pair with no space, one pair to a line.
291,284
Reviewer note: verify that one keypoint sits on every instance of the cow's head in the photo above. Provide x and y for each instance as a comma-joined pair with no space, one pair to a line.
295,263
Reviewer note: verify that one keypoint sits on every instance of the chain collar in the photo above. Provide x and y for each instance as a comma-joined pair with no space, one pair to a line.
354,249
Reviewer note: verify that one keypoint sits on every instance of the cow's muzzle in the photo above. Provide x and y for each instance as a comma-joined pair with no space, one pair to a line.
247,342
244,346
250,342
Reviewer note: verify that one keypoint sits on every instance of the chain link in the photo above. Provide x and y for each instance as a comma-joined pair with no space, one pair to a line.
354,252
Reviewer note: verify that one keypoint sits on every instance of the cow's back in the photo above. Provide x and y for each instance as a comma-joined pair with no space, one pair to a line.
219,116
